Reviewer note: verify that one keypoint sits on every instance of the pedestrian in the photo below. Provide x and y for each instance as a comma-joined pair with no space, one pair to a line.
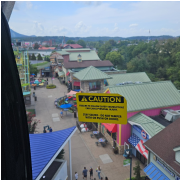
76,175
61,113
98,170
91,172
94,178
44,131
84,173
101,178
50,129
106,178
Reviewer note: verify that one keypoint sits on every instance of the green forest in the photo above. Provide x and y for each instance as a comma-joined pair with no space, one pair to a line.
159,59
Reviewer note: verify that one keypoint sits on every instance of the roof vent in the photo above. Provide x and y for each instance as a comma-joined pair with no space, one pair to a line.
138,82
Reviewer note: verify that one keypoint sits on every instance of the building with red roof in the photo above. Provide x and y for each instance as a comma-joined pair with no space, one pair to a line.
72,46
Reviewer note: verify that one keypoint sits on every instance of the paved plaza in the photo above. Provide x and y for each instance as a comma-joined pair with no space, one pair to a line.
85,153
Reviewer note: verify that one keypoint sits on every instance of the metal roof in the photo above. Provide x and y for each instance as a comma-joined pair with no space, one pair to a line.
45,147
91,73
149,125
43,66
120,78
148,95
61,74
86,56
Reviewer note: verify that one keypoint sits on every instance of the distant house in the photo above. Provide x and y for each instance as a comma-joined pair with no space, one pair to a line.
72,46
46,48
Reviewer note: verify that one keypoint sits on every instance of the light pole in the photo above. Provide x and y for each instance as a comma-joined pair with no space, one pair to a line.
128,155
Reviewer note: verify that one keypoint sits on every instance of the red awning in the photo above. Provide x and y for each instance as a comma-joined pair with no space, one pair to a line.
76,83
112,128
67,74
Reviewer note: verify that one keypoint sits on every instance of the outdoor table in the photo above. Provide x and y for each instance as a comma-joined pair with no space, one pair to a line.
65,110
95,132
101,140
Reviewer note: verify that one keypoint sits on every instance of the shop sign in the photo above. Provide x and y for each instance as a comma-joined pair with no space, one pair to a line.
126,162
138,129
165,168
102,108
143,134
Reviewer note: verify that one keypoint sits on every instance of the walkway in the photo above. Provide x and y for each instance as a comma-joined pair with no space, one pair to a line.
84,151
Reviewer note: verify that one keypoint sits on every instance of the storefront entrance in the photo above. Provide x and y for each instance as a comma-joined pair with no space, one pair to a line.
141,157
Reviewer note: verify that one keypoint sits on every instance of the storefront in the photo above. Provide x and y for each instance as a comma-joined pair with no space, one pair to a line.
142,129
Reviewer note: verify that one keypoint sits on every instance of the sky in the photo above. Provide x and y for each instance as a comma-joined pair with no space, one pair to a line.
96,18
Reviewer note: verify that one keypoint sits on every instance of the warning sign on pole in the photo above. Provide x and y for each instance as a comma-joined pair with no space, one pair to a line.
102,108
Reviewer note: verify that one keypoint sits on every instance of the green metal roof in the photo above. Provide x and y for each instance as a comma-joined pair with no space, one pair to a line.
148,95
91,73
43,66
91,55
149,125
120,78
61,73
78,49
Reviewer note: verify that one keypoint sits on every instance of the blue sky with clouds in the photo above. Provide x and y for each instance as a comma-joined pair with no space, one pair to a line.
96,18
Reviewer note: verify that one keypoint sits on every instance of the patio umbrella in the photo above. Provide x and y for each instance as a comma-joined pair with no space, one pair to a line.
65,106
33,74
36,82
43,80
71,93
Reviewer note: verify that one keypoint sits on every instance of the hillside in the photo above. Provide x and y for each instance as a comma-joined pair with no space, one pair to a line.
59,39
17,35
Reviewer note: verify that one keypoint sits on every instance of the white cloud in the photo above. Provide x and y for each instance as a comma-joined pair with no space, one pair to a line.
29,4
80,27
37,28
133,25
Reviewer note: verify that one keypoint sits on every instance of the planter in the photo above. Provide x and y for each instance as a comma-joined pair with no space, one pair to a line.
51,86
115,150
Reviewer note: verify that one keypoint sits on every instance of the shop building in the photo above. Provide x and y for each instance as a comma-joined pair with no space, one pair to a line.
142,129
164,154
146,98
91,80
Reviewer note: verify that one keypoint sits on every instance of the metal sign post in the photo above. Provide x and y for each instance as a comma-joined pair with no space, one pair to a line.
102,108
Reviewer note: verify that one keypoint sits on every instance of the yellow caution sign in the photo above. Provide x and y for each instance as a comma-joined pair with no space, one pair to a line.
101,108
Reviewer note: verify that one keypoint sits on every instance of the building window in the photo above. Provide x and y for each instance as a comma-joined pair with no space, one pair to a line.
94,86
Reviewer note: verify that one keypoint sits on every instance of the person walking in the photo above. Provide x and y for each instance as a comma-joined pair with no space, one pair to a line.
98,170
76,175
50,129
91,172
101,178
61,113
106,178
84,173
44,131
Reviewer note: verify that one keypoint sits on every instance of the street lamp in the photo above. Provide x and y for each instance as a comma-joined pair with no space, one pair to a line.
128,155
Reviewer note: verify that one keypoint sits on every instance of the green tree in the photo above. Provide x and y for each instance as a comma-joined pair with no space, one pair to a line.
33,69
70,42
39,57
112,42
82,43
36,46
137,171
103,50
33,57
116,58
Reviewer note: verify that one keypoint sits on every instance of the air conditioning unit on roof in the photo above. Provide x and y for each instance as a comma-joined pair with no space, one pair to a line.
170,115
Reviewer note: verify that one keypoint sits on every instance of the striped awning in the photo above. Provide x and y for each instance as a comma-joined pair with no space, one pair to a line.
61,74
